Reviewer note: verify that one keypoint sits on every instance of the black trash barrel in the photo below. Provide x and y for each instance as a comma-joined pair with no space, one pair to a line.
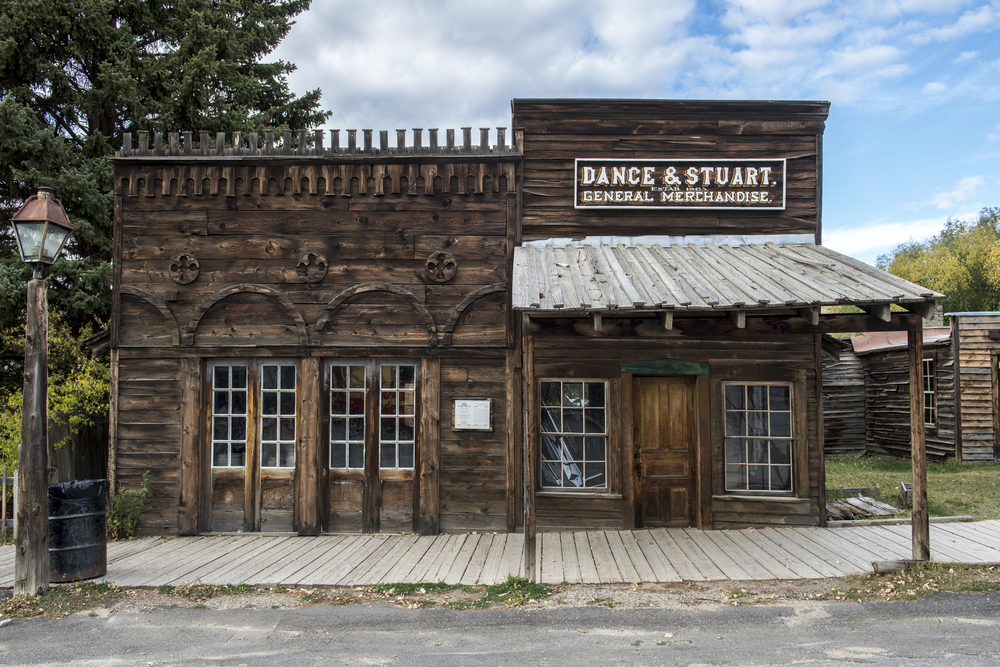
78,541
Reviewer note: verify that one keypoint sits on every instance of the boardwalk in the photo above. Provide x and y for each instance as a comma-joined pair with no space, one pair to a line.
659,555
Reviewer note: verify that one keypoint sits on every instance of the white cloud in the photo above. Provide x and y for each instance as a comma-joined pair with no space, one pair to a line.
935,88
964,190
880,237
966,56
981,19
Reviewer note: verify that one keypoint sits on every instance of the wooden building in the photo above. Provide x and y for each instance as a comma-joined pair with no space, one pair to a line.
874,366
613,322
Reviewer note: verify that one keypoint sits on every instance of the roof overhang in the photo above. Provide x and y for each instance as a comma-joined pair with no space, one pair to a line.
734,276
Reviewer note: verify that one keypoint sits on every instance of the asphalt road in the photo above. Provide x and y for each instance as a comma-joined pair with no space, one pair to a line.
943,629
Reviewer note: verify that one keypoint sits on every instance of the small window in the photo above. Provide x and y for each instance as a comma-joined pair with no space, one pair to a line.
930,386
758,440
229,416
347,415
573,434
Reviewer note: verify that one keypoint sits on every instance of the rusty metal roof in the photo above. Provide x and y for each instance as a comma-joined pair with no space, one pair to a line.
880,341
701,277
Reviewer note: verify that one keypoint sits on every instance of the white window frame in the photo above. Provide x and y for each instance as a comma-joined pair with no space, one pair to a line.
930,391
547,428
732,436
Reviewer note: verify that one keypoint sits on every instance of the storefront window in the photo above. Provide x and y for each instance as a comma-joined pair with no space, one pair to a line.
573,434
758,441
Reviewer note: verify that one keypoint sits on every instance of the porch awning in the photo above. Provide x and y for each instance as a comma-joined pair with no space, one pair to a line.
595,278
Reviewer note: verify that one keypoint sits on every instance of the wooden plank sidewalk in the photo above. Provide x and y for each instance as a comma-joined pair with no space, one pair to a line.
657,555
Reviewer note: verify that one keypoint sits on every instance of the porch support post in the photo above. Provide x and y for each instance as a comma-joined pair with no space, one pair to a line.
918,452
530,451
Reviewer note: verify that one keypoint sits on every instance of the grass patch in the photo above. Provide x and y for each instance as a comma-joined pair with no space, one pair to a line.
204,591
952,488
62,600
919,581
415,589
513,592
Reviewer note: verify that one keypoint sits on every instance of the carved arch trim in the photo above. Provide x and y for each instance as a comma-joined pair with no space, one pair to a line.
382,287
470,299
160,305
300,323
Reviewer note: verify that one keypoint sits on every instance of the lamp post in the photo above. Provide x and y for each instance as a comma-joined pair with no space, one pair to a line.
41,228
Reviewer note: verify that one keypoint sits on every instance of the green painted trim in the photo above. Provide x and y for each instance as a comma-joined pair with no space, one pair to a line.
664,367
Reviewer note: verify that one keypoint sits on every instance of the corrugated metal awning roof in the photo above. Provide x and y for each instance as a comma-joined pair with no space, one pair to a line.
880,341
707,277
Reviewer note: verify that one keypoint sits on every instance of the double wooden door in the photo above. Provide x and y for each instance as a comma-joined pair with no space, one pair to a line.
665,440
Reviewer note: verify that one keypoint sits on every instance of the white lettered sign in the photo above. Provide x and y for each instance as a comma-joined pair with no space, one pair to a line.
473,414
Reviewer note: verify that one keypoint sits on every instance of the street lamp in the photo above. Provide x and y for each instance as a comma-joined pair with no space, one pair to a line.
41,228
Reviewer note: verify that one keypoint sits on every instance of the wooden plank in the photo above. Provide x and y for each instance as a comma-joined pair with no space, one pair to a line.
231,570
377,573
310,551
356,548
251,569
754,552
429,506
140,562
720,561
406,564
513,557
460,562
491,568
474,572
607,568
844,549
164,566
309,447
570,560
658,562
679,560
585,556
626,568
447,557
189,519
351,576
428,560
952,546
636,555
807,552
550,570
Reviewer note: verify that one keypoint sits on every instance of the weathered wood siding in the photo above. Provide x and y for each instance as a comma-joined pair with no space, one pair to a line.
573,349
347,255
556,132
887,404
844,404
978,350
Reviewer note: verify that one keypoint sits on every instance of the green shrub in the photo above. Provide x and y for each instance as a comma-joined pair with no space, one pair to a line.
125,510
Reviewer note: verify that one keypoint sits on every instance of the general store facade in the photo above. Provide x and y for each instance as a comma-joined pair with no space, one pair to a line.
613,322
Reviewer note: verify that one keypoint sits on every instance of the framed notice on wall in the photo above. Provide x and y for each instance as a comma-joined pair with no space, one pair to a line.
473,414
745,184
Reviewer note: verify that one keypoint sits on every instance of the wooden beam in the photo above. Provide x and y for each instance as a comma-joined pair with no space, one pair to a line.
192,454
810,315
667,319
430,447
308,446
530,457
924,309
597,321
515,389
628,463
251,473
881,310
371,490
739,318
956,350
918,451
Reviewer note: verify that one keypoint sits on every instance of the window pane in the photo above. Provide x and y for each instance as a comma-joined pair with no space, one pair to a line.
269,403
357,377
269,455
239,377
288,377
221,374
572,448
338,403
338,377
269,378
551,420
594,421
269,428
388,403
736,478
338,455
551,448
357,454
595,474
756,423
220,428
406,402
356,429
736,451
406,455
407,377
735,397
388,459
757,451
573,475
239,399
357,403
757,397
757,478
781,478
736,423
338,429
221,406
595,395
238,454
287,429
220,454
780,397
595,449
781,452
572,394
287,455
388,377
572,420
287,403
388,429
781,424
550,393
239,426
551,474
406,429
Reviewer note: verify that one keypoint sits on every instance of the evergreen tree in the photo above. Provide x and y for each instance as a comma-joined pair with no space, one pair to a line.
76,74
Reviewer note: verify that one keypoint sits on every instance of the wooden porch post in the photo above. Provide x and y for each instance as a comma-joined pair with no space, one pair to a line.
530,451
918,451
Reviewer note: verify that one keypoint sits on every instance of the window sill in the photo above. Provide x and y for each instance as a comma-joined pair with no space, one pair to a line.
759,498
552,493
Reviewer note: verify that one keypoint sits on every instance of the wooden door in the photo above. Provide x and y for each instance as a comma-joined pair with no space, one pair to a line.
665,441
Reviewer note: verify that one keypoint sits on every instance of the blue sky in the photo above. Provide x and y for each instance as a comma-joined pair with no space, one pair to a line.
913,136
